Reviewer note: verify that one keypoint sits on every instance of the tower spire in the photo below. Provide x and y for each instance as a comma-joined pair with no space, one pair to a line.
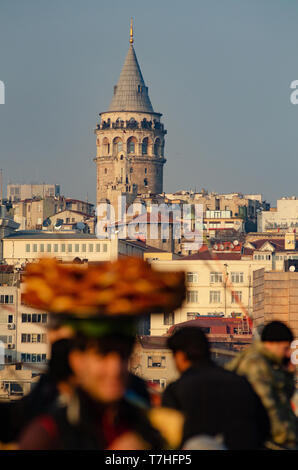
131,31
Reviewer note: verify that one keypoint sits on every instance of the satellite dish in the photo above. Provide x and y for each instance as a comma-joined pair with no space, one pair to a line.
221,247
235,242
80,226
292,268
58,224
46,223
215,247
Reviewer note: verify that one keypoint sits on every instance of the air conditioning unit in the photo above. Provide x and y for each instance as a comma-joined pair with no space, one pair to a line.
10,346
11,326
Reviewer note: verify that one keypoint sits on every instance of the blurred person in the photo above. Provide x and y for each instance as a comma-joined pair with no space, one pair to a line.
92,411
17,415
213,400
266,365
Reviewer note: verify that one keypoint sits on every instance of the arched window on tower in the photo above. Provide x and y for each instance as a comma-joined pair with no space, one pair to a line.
145,146
157,147
117,145
131,145
145,182
106,146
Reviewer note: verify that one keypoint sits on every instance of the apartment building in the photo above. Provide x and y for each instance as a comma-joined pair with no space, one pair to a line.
283,218
9,298
17,192
219,278
25,246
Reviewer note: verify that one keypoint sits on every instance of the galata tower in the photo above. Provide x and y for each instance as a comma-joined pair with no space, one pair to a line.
130,139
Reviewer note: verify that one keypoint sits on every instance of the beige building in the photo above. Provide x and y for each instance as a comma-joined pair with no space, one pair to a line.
9,298
129,139
153,361
30,213
18,192
275,297
283,219
220,280
25,246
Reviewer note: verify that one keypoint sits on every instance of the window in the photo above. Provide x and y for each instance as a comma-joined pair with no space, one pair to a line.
25,338
27,248
36,318
214,297
237,277
90,248
117,145
63,247
77,247
6,299
98,247
10,319
236,296
192,296
34,247
215,277
43,338
56,248
44,317
168,318
49,248
35,338
69,248
157,147
131,145
156,361
145,146
192,277
145,182
41,247
192,315
105,247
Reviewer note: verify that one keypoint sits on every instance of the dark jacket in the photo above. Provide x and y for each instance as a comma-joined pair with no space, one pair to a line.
218,402
83,424
17,415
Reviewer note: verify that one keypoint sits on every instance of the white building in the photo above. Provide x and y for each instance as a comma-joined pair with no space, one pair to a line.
283,219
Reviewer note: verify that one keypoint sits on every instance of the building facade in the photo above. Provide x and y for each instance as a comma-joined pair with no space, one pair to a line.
18,192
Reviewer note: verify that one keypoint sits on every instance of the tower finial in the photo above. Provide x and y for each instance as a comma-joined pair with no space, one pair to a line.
131,31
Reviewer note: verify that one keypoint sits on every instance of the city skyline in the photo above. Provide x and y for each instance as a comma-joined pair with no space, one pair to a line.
221,82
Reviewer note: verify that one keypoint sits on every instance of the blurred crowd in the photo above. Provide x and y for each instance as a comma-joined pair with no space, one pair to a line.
89,400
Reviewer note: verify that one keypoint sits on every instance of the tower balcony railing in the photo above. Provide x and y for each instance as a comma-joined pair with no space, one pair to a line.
132,124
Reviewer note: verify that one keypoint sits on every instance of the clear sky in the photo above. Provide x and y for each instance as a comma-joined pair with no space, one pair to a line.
218,70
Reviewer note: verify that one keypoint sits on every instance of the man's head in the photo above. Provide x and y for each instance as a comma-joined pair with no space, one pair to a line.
277,338
189,346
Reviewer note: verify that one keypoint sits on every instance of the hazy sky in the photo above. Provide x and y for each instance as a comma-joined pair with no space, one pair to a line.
218,70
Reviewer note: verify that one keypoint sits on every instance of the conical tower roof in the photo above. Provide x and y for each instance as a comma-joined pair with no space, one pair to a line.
131,93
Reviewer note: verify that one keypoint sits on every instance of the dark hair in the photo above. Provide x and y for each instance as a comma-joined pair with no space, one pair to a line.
59,368
122,344
276,331
192,341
